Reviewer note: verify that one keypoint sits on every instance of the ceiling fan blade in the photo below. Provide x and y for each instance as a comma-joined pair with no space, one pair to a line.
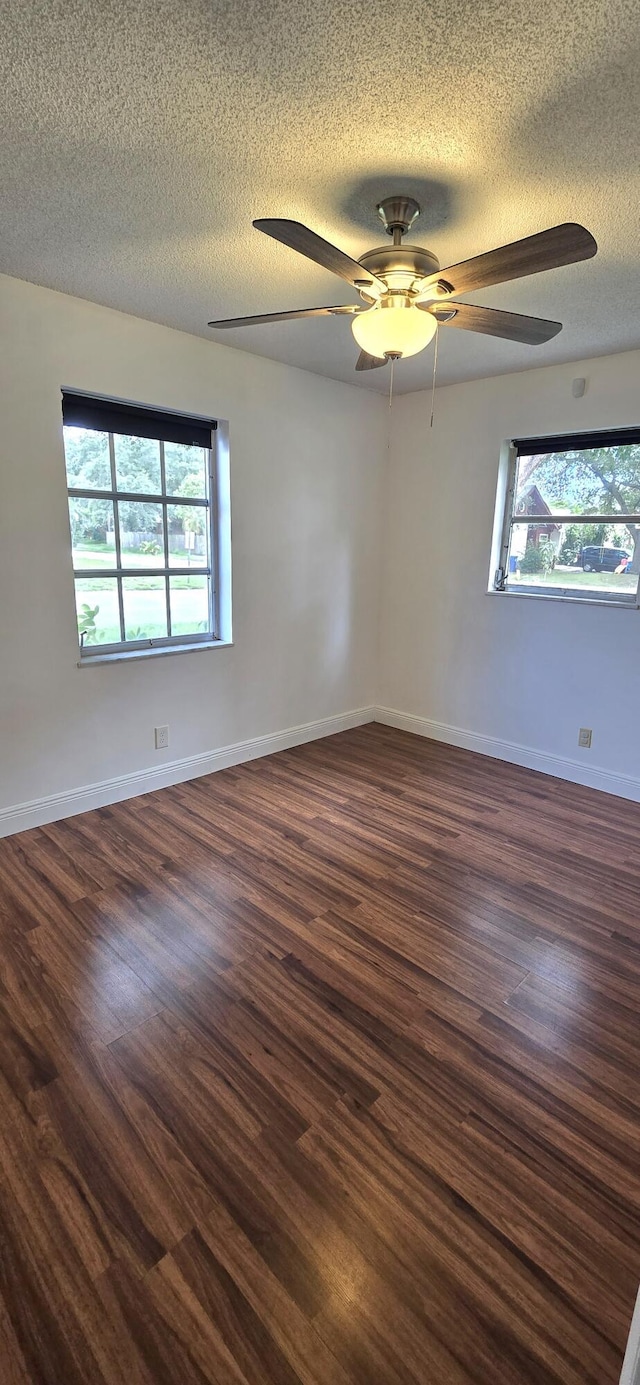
306,242
559,245
495,323
367,362
286,317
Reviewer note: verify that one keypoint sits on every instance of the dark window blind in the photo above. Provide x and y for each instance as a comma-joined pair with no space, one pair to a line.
576,442
82,411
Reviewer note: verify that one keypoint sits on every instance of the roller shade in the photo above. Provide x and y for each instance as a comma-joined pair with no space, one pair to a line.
105,416
576,442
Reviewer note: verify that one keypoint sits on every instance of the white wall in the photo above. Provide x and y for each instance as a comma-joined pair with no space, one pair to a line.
307,456
511,676
478,668
631,1364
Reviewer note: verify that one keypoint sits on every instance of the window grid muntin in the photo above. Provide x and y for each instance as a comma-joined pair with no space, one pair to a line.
165,532
116,533
206,569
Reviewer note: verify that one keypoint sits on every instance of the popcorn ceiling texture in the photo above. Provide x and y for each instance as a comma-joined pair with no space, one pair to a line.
140,138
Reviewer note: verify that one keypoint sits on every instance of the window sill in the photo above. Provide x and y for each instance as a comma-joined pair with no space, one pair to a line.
572,600
126,657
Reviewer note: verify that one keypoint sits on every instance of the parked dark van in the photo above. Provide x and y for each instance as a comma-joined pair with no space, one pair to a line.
599,558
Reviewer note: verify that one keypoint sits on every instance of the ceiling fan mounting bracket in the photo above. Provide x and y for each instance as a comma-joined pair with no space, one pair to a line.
398,214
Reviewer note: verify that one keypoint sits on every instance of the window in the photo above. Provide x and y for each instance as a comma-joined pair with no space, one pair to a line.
141,486
572,518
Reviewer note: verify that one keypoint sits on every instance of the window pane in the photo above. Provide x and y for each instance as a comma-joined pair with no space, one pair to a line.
145,608
188,535
97,610
185,469
92,533
87,458
137,464
189,605
601,480
141,534
576,559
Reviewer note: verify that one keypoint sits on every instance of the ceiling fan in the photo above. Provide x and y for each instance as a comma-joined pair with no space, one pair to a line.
405,293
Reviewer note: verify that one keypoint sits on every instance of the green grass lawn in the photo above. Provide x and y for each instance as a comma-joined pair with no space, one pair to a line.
574,577
144,598
144,607
87,556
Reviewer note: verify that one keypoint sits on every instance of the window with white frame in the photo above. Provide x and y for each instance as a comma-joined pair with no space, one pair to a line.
572,518
142,500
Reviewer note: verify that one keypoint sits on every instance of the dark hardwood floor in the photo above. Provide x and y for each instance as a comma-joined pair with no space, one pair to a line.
323,1069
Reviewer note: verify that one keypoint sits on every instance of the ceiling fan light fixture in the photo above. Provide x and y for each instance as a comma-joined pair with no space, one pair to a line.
393,329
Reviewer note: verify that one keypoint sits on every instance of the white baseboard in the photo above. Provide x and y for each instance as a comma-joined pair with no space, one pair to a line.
577,772
38,811
63,805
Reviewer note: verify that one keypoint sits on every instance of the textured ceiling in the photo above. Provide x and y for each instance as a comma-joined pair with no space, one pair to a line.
140,138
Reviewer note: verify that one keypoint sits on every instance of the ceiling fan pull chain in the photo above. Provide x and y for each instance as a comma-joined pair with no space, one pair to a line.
391,363
433,387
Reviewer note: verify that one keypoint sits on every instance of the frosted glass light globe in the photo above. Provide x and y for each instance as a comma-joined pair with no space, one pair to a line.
393,330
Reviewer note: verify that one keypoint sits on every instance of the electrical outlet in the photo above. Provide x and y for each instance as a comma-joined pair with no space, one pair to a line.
162,737
584,737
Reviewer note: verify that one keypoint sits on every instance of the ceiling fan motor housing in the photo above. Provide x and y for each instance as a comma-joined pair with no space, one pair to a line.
406,263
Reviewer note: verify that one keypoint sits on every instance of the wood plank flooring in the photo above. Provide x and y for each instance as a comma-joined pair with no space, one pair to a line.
323,1069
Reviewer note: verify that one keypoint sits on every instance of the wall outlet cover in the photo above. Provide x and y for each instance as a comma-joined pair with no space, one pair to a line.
162,737
584,737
